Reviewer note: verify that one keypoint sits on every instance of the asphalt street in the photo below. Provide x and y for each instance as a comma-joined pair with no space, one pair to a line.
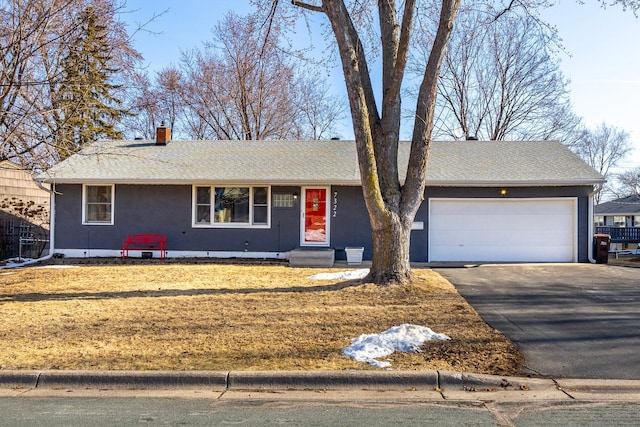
354,407
195,412
570,320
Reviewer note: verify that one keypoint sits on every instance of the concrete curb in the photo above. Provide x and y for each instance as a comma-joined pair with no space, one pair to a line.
18,379
259,380
598,386
137,380
441,381
479,382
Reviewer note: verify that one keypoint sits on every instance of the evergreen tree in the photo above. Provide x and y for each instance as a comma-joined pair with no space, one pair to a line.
91,110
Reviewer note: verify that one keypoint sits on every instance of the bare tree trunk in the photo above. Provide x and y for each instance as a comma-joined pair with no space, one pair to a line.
391,241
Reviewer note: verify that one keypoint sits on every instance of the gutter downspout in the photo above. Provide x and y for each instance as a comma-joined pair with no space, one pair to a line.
52,217
597,189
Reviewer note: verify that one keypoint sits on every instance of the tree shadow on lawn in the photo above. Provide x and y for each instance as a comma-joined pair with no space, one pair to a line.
163,293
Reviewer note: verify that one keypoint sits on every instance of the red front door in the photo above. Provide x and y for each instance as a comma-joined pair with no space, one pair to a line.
315,217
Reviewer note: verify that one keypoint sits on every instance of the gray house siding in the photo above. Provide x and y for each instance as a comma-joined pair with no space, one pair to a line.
167,209
349,218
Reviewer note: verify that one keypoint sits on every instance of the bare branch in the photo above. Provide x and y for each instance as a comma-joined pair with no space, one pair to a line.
308,6
505,10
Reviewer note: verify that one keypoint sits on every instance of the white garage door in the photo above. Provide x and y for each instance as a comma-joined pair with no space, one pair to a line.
503,230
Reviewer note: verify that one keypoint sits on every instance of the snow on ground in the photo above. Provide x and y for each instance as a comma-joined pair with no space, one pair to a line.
409,338
343,275
20,262
16,262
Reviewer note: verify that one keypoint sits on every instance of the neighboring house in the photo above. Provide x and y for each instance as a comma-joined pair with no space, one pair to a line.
24,213
484,201
620,219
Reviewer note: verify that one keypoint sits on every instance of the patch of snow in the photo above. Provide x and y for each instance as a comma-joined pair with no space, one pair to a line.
406,337
16,262
343,275
19,262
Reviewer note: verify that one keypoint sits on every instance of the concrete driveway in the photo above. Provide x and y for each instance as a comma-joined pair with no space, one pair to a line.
570,320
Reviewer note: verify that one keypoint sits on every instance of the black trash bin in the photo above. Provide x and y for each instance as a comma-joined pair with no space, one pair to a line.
601,245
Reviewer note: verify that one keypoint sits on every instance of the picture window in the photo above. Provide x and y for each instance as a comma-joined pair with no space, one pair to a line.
231,206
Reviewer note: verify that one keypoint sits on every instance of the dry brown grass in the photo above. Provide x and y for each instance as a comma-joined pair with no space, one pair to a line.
630,260
229,317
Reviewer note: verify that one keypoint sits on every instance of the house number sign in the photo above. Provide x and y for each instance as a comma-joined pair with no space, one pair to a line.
335,204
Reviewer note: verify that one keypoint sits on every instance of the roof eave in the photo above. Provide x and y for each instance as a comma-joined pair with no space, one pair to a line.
280,182
616,213
516,183
344,182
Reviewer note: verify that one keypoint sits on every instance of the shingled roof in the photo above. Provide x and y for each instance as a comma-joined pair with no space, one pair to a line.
629,205
458,163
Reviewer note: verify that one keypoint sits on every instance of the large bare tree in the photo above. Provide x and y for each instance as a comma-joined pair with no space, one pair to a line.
501,80
603,147
156,102
628,182
318,112
392,201
246,84
35,40
27,28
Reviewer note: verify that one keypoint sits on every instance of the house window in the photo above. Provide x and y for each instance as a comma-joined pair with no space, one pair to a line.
260,205
98,204
599,220
636,220
619,221
283,200
203,205
231,206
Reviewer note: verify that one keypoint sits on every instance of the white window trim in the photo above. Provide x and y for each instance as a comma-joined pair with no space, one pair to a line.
195,224
84,204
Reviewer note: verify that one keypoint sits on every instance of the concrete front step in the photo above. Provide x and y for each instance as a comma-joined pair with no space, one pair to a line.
312,257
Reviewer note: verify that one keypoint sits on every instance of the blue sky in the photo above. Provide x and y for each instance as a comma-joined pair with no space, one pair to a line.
603,60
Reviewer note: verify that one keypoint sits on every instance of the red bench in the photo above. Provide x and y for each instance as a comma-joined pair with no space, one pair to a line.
142,242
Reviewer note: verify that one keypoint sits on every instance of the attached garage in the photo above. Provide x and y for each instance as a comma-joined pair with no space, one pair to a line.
503,230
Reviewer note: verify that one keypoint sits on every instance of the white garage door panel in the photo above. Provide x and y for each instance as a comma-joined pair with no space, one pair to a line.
504,238
498,230
510,254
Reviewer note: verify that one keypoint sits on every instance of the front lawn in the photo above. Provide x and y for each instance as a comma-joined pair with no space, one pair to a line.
230,317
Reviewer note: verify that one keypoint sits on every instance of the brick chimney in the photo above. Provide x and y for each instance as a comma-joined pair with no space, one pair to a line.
163,134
